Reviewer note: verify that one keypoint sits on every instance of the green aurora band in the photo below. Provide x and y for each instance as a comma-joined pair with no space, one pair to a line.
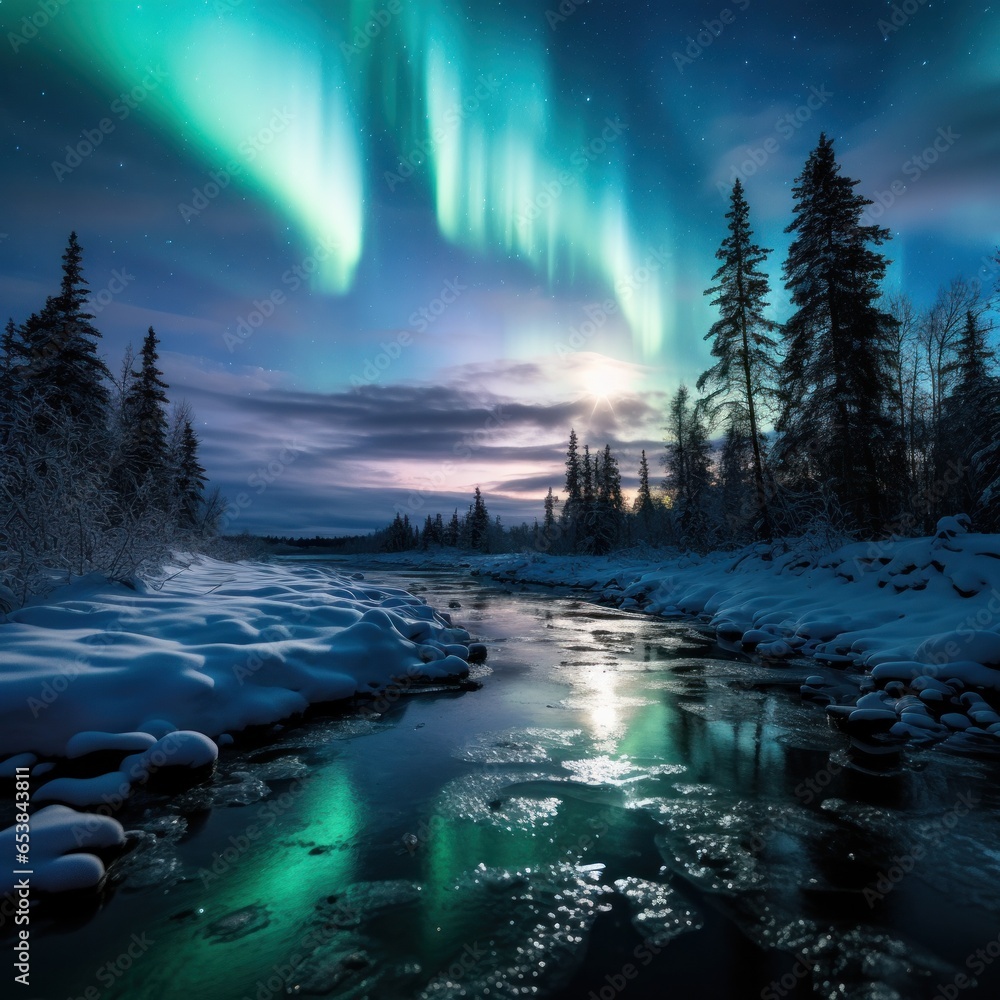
304,107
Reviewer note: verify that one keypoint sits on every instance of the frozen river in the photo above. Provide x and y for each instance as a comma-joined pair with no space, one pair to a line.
622,808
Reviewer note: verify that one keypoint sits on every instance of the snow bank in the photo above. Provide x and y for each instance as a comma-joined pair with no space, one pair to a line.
59,859
923,613
217,647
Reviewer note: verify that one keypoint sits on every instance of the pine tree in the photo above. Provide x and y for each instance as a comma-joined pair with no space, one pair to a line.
574,486
59,347
688,465
479,523
587,479
454,531
969,416
743,379
583,521
190,482
550,514
644,498
145,456
835,424
609,504
610,486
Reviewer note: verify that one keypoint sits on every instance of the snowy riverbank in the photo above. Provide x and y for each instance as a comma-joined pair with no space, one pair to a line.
920,618
139,679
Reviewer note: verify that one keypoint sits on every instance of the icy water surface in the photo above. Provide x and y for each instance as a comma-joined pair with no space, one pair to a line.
623,809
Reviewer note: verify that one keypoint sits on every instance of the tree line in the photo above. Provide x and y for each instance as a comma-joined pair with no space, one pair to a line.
97,473
884,418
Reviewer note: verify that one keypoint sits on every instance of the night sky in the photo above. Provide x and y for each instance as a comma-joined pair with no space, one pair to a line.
386,266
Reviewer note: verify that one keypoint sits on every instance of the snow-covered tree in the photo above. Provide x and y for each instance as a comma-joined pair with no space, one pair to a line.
145,457
189,480
58,346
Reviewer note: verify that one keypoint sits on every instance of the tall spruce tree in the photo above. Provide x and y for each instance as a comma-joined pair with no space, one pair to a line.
609,504
145,454
191,478
453,531
583,522
574,485
644,498
59,348
835,422
549,523
742,382
479,523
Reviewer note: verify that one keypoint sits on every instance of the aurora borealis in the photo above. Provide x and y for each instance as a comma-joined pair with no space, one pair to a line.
409,242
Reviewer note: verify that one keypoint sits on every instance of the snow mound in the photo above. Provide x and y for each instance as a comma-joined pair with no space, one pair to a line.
91,742
59,862
100,666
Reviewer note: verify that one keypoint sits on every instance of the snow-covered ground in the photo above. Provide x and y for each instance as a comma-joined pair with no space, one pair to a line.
153,676
920,617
